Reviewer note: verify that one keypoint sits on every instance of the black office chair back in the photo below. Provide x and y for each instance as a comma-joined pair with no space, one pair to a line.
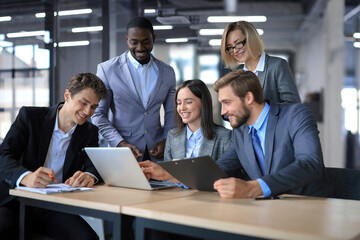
345,182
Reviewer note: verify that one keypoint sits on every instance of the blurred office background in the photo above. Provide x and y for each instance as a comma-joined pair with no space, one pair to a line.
43,43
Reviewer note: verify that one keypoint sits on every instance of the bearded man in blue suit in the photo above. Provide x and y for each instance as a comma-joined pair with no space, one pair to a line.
138,85
287,156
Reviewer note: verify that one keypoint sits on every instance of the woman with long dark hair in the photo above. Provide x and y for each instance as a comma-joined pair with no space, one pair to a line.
195,134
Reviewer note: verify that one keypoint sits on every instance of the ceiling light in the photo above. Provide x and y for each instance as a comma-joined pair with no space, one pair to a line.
25,34
66,13
227,19
206,32
260,31
74,43
75,12
163,27
5,18
40,15
176,40
215,42
357,35
87,29
149,11
357,44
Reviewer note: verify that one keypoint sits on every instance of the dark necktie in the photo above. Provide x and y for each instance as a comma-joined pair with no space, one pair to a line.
258,150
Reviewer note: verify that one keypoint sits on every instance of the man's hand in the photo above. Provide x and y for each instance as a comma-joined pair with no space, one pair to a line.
40,178
155,171
158,149
134,149
237,188
81,179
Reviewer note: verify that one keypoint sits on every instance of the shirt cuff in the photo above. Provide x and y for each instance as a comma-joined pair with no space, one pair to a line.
182,185
96,179
265,188
21,178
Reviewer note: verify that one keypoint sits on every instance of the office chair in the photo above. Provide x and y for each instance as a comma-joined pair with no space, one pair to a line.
345,182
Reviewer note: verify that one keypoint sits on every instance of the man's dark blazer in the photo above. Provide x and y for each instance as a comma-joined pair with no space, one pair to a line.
27,142
293,157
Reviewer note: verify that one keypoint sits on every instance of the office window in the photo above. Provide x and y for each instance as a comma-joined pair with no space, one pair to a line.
24,68
350,102
209,68
182,60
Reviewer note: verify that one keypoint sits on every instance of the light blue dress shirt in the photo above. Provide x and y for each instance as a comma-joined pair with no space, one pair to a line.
260,67
144,76
260,126
193,142
58,146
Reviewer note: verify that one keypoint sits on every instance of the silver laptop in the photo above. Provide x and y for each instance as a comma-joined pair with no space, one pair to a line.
118,167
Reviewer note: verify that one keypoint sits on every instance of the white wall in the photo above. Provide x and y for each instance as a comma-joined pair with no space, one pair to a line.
320,67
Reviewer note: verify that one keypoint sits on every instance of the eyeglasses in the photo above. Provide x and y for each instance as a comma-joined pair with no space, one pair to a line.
237,46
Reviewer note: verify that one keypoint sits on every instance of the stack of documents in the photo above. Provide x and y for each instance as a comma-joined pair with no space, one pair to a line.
55,188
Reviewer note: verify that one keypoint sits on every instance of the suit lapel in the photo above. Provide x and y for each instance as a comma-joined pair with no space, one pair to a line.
46,134
261,75
71,151
181,146
270,136
207,147
158,85
127,78
251,166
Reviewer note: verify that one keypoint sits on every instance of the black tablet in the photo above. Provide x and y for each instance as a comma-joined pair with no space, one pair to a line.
198,173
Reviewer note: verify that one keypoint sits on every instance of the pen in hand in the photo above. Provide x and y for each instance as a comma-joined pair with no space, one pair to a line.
53,179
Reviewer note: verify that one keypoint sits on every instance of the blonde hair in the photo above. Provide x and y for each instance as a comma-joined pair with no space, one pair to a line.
255,44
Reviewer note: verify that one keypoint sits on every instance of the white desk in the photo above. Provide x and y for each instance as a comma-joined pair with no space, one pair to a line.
293,217
104,202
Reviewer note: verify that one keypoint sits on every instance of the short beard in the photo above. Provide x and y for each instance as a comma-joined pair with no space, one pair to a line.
239,121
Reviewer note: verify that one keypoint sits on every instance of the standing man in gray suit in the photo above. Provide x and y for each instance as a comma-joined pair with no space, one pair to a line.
277,145
138,84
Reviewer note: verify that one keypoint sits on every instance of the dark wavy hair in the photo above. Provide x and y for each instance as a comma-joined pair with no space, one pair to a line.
200,90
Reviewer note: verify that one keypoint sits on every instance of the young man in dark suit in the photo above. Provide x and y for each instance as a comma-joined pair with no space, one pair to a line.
44,145
277,145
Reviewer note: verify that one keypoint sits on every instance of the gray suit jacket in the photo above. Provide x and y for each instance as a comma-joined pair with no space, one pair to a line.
175,147
122,115
293,157
277,81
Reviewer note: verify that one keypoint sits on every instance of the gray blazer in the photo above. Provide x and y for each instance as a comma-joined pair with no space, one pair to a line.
293,157
277,81
175,147
122,115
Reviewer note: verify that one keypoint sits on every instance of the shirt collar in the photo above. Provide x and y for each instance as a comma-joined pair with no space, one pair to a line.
261,119
197,134
136,64
56,127
260,66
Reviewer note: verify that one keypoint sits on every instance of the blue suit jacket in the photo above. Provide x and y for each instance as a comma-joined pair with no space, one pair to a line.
293,157
175,147
122,115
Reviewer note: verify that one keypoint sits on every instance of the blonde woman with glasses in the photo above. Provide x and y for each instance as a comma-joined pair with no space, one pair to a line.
243,48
